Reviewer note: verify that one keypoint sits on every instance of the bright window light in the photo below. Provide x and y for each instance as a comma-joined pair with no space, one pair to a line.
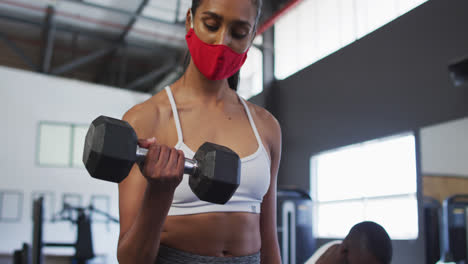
373,181
251,75
317,28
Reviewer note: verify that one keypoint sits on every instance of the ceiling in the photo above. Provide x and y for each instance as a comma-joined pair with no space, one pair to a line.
132,44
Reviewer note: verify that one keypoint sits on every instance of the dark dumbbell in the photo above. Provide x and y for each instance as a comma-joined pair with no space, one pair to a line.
111,148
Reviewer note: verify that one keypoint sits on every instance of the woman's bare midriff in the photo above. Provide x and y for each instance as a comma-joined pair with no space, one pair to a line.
214,234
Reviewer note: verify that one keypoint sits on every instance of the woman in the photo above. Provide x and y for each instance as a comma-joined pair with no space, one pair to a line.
161,220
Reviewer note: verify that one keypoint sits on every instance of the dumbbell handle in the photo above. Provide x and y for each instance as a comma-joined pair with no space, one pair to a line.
190,165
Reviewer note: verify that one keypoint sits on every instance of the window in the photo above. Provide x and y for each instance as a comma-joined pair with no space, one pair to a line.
11,206
375,181
317,28
54,144
79,135
251,75
60,144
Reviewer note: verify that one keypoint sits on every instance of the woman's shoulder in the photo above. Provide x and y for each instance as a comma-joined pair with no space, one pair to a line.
263,116
267,124
147,117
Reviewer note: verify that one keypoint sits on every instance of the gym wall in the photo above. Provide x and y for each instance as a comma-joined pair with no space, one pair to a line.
442,186
444,148
27,99
393,80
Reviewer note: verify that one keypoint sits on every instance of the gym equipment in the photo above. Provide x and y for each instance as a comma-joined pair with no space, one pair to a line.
455,231
84,244
295,233
111,148
23,255
38,216
432,217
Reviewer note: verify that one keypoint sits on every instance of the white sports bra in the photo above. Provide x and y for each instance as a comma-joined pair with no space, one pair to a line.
254,178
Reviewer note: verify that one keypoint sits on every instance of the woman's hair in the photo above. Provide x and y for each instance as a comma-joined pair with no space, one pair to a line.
233,81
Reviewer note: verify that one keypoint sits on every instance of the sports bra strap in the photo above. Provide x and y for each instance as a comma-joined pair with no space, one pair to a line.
175,113
252,123
179,128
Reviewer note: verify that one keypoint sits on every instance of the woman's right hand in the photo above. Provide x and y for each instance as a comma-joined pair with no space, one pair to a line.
163,167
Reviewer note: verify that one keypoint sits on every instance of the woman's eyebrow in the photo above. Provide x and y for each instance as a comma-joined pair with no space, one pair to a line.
214,15
218,17
243,23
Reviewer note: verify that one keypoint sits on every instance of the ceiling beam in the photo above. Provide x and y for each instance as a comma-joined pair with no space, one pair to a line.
151,76
121,39
132,21
177,11
18,51
277,15
71,29
48,38
83,60
123,66
118,11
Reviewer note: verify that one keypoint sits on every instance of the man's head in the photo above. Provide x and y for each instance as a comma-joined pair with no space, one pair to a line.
367,242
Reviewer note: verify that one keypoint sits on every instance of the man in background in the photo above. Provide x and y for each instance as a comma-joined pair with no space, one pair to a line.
366,243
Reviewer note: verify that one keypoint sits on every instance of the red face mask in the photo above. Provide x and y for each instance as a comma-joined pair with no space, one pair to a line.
216,62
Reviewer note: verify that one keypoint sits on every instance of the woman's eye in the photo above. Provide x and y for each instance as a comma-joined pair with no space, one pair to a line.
211,27
238,35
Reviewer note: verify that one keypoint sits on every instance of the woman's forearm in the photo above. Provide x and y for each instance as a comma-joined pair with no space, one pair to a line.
140,244
270,253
